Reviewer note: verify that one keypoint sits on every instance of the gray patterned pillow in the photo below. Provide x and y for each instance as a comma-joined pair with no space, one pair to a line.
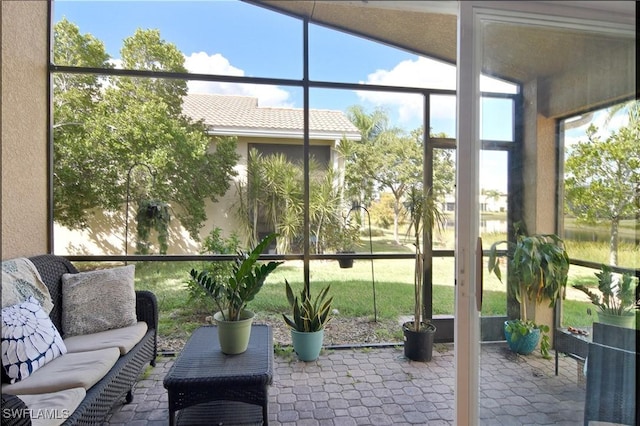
29,339
98,300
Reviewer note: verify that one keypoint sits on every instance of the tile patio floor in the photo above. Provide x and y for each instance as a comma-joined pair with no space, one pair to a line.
379,386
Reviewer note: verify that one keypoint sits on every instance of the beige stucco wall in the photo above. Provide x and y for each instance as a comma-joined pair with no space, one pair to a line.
539,176
105,233
24,128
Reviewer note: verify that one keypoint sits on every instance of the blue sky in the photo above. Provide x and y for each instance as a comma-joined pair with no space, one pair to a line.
235,38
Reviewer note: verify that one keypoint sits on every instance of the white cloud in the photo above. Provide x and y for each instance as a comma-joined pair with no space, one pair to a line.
421,72
605,124
203,63
425,73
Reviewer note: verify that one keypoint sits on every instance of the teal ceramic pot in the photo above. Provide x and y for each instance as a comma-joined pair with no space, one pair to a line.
307,345
525,344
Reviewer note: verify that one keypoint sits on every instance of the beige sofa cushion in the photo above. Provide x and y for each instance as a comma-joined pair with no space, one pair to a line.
80,369
52,409
122,338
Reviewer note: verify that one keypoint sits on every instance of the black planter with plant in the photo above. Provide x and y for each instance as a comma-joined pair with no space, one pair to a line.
308,320
344,239
345,262
419,334
538,267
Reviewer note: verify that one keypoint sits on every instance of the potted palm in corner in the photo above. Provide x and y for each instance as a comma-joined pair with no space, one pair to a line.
538,267
231,295
419,333
309,317
616,303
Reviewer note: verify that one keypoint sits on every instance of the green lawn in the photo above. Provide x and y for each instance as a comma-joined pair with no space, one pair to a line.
353,288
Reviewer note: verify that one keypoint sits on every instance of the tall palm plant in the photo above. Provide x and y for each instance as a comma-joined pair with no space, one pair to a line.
324,205
424,215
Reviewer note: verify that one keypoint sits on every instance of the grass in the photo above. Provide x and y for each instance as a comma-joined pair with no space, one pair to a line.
353,288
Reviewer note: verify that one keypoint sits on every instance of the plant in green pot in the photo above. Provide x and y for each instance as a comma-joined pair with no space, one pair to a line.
538,267
308,320
232,294
616,302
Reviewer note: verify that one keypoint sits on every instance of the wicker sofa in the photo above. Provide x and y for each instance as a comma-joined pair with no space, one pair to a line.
112,387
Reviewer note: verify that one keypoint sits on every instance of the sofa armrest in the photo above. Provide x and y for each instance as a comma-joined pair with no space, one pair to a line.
14,411
147,308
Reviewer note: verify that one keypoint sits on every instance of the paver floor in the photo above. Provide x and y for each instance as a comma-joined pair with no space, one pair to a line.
379,386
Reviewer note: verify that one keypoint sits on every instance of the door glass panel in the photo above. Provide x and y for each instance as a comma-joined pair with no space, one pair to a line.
541,185
601,230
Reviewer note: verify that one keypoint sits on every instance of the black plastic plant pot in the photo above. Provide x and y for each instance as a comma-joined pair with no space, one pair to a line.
346,262
418,345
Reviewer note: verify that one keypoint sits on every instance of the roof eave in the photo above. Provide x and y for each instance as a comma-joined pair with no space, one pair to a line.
281,133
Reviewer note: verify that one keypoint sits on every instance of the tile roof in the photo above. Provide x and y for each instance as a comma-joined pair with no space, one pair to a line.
225,111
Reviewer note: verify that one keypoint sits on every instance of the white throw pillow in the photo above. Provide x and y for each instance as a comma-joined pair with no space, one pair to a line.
98,300
21,279
29,339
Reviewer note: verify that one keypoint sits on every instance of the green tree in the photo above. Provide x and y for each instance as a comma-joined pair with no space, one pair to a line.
358,186
394,162
77,159
133,121
601,179
389,159
384,159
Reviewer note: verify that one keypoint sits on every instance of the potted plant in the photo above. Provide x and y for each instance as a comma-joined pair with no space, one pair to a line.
152,214
616,302
419,333
538,266
232,294
346,239
309,317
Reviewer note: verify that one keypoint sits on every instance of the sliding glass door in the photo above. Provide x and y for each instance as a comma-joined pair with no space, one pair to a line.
564,59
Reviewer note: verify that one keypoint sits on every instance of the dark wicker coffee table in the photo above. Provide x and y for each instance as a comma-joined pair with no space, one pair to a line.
209,387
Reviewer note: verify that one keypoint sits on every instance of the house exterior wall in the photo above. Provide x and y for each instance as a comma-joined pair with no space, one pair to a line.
106,232
24,128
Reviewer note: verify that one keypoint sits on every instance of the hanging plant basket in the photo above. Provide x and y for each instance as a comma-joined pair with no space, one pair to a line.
152,215
346,262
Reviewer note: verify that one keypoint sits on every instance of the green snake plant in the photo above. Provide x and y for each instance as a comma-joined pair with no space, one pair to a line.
308,314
